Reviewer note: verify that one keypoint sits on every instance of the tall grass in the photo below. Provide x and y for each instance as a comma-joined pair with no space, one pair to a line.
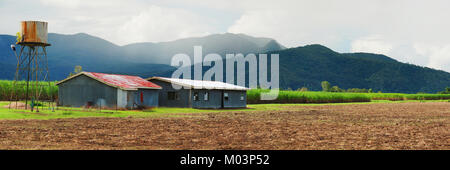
7,87
400,96
284,96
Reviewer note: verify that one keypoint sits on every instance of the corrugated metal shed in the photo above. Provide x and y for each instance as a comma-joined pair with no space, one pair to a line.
200,84
200,94
107,90
123,82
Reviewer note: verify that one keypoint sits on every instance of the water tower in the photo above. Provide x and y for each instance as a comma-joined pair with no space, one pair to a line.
32,65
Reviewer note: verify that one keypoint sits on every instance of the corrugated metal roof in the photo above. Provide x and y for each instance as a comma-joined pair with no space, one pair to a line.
119,81
200,84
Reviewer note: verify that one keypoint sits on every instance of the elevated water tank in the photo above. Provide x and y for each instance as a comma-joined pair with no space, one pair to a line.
34,32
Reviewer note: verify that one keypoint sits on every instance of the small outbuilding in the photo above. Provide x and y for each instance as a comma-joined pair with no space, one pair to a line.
107,90
199,93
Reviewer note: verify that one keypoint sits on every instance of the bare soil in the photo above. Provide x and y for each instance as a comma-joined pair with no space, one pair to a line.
354,126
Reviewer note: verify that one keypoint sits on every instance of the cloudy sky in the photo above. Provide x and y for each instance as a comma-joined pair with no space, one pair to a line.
412,31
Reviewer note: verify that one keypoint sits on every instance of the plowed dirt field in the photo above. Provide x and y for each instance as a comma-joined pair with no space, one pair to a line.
353,126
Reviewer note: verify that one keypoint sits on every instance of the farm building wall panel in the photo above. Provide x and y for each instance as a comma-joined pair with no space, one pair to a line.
80,90
234,99
186,97
181,99
122,97
216,97
149,98
213,101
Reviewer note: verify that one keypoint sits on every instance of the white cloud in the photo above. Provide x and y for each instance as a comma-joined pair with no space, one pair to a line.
62,4
429,54
389,27
295,23
118,21
372,44
162,24
438,55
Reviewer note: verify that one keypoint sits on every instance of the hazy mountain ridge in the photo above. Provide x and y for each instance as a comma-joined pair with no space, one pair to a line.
96,54
221,44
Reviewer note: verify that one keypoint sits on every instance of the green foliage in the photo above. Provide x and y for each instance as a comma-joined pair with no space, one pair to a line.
356,90
18,37
337,89
401,96
326,86
303,89
286,96
7,88
447,91
76,70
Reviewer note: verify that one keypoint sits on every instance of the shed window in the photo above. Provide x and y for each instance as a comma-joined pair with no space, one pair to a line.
225,96
195,96
242,97
172,96
206,96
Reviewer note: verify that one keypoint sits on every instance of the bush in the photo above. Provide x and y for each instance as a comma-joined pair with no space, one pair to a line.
302,89
326,86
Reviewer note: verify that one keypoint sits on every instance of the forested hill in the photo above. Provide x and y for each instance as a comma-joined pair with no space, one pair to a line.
309,65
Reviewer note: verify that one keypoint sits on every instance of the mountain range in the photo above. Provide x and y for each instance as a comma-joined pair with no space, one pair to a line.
303,66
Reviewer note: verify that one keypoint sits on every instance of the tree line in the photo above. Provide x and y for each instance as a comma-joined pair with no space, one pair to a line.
326,87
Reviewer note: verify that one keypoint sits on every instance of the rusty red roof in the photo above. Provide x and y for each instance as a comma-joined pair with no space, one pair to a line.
120,81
